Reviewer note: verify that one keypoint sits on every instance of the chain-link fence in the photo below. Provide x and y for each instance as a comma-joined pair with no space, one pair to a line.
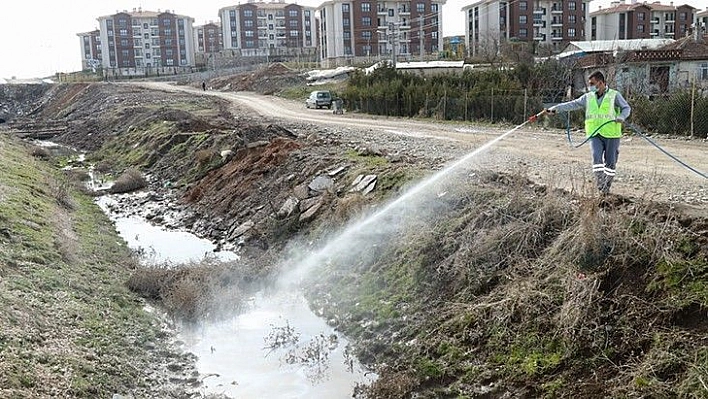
681,113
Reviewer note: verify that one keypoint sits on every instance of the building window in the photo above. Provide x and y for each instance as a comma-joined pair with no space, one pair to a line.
640,16
704,71
420,7
248,23
147,45
124,42
640,28
293,13
345,7
434,35
345,21
523,6
365,7
682,16
293,23
347,35
123,32
366,21
307,13
390,12
294,33
248,33
366,35
571,6
250,43
523,19
248,13
434,8
571,32
523,32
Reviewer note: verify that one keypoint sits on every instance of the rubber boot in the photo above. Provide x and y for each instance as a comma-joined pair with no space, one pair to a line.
601,179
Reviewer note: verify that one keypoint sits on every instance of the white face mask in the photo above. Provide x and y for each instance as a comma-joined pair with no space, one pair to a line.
592,88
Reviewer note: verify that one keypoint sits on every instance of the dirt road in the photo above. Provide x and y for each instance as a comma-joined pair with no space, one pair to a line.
544,155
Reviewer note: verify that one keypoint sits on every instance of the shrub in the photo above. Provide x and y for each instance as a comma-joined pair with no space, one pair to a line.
130,180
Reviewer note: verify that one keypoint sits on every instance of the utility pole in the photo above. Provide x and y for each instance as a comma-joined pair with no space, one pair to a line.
421,37
393,37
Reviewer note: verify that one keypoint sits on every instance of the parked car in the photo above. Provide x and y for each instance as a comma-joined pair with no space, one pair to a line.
319,99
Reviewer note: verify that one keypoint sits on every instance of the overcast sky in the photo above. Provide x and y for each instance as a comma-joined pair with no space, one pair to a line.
38,37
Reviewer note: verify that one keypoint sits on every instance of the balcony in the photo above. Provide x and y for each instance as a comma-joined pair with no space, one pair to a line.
557,22
541,11
382,11
541,37
556,37
539,24
556,10
655,21
404,11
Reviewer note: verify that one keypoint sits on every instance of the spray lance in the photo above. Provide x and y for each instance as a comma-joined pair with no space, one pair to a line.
533,118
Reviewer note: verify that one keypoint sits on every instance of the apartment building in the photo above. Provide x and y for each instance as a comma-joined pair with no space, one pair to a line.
702,22
146,42
641,20
362,30
207,38
90,49
259,28
552,23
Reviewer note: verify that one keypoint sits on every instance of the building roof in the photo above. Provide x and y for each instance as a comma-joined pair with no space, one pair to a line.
618,7
140,13
478,3
690,48
594,46
703,13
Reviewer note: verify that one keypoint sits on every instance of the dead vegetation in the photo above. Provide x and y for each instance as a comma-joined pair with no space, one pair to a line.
526,292
131,180
205,290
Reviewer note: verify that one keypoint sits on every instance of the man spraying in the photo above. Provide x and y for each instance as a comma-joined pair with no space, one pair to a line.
605,110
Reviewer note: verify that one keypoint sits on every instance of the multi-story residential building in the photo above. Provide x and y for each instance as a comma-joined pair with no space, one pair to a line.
641,20
207,38
358,30
146,42
258,28
702,22
553,23
90,49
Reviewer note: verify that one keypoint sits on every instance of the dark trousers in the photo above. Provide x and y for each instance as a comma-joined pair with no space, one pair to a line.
604,160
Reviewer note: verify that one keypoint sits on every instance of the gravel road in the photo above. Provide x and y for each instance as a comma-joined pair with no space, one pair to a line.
542,154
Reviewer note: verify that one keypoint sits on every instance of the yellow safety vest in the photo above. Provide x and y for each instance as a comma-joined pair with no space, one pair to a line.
596,115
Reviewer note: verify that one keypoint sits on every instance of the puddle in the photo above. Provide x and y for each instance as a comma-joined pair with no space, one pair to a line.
237,357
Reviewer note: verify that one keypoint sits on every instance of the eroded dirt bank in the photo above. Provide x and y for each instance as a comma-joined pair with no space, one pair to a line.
508,288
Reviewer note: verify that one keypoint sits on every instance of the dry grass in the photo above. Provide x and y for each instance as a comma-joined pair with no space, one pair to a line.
130,180
540,292
41,152
204,157
208,289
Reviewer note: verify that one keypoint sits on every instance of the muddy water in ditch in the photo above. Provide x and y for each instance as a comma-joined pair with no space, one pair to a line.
232,355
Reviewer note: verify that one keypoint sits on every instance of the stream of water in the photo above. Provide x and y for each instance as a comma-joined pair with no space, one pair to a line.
233,355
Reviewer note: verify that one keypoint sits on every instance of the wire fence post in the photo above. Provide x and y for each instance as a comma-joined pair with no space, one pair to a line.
526,100
693,102
492,107
466,106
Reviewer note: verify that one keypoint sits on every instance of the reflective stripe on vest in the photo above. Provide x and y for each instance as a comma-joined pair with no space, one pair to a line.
596,115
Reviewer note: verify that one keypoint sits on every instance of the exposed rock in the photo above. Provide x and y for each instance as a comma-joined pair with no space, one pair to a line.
309,203
242,229
310,213
257,144
336,171
321,184
364,184
301,191
288,207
